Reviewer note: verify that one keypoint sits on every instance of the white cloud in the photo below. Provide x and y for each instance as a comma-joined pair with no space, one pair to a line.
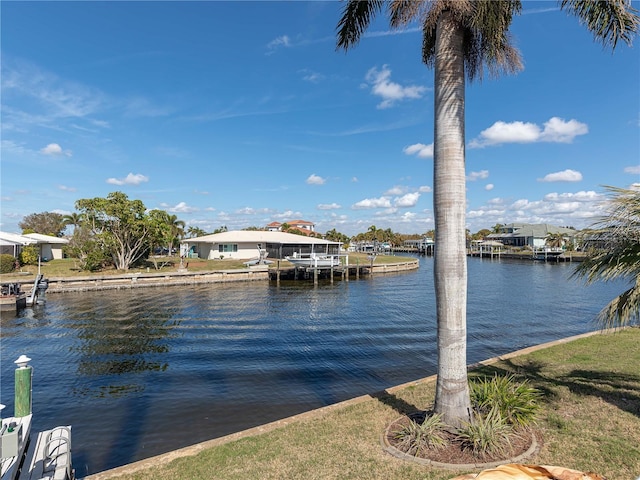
328,206
276,43
488,187
397,190
182,207
390,92
315,180
482,174
589,196
564,176
287,215
558,131
54,99
406,201
354,179
60,211
555,130
578,209
424,189
382,202
311,76
420,149
66,189
131,179
408,216
54,149
634,170
501,132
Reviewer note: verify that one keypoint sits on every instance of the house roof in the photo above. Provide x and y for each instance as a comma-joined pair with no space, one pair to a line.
258,236
30,239
533,230
16,239
40,238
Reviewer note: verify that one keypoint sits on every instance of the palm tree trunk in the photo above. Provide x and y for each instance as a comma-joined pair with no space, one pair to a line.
450,263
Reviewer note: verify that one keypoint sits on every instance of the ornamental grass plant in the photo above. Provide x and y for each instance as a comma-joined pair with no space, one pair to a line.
515,401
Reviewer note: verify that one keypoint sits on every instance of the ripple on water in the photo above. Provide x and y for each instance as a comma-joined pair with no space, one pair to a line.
126,367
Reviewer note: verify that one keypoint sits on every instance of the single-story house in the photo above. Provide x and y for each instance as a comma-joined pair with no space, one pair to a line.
532,235
247,244
12,243
50,248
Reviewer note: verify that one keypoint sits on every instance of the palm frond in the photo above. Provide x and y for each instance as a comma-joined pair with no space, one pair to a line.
622,310
460,10
402,12
487,42
492,45
608,20
356,17
619,255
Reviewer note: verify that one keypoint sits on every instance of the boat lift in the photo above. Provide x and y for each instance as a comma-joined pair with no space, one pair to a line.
40,286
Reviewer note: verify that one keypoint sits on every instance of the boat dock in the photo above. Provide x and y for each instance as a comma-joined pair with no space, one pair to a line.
48,457
343,271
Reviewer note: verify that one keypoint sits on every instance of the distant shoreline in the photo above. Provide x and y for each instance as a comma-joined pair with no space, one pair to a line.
87,283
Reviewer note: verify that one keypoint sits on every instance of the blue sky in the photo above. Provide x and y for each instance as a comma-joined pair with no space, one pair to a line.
243,113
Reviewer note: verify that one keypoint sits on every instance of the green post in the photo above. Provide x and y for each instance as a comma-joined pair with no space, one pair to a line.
24,373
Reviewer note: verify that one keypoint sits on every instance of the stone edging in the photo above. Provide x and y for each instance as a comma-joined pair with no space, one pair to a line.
390,449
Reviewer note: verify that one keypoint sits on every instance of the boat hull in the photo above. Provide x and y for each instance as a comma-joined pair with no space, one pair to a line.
315,262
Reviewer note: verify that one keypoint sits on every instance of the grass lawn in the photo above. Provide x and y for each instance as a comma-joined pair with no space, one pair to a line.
590,421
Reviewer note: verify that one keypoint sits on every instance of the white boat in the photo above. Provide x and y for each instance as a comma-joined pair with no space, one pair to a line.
314,260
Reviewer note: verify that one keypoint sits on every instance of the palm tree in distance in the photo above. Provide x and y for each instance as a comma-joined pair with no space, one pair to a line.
555,240
75,219
618,256
465,37
193,232
177,230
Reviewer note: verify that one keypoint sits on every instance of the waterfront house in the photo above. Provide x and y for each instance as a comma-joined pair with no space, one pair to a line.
302,225
247,244
530,235
424,244
50,248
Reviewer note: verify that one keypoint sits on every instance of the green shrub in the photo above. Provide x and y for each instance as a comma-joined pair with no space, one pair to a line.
417,437
487,435
29,255
7,263
516,402
93,260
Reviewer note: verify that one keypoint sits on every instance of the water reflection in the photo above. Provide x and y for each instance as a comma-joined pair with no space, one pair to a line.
125,367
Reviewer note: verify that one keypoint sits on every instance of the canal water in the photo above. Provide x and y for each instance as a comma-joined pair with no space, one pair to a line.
142,372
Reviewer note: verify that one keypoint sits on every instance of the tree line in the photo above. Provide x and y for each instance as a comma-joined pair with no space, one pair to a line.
120,231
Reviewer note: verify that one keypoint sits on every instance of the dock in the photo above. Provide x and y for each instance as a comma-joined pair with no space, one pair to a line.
48,457
342,272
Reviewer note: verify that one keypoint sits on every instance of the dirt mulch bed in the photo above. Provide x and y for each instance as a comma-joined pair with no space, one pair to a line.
454,453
